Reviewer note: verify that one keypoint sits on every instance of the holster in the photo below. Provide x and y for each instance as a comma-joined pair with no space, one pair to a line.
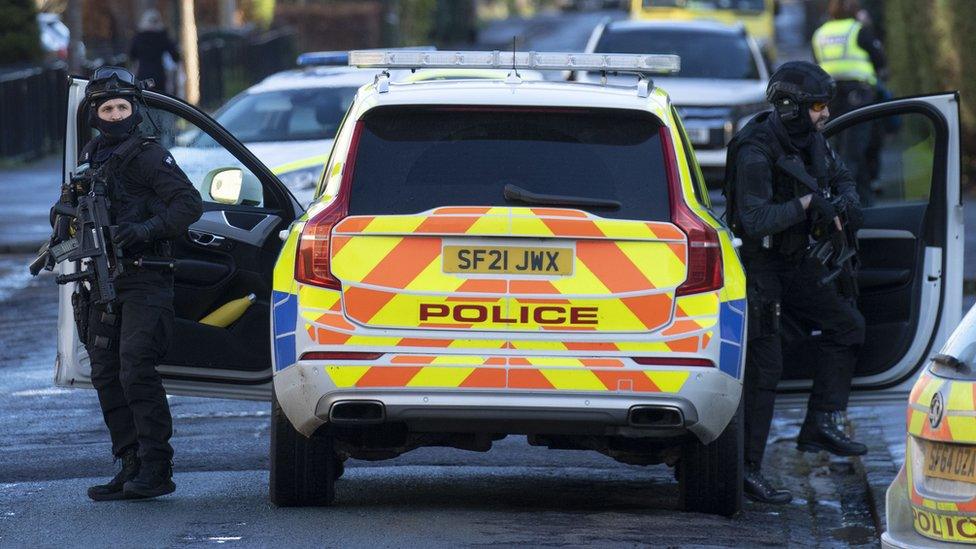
80,305
764,314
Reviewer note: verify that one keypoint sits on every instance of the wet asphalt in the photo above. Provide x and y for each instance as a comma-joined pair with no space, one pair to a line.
53,445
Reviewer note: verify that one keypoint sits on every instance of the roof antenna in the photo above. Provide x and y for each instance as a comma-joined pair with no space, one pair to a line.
514,67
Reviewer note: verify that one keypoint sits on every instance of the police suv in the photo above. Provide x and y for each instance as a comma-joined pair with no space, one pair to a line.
487,258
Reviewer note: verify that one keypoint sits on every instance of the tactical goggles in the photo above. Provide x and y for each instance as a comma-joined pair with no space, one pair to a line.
818,106
103,73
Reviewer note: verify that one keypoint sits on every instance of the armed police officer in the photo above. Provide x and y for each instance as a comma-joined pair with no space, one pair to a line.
787,189
150,201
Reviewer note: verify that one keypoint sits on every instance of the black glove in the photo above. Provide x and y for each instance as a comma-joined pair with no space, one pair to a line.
128,234
821,208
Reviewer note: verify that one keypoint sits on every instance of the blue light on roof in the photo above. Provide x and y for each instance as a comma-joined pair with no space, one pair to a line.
323,58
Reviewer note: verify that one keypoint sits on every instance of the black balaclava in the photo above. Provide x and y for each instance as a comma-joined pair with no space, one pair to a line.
113,133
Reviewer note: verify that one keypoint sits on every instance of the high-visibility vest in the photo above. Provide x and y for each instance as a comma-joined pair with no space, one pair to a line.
835,48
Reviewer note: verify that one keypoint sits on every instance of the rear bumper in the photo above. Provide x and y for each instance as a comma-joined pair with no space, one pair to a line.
519,413
703,406
901,532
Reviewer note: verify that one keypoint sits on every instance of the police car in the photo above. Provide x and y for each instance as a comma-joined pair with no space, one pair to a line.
490,257
290,118
934,495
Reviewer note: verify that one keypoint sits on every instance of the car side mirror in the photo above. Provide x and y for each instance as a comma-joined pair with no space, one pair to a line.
232,186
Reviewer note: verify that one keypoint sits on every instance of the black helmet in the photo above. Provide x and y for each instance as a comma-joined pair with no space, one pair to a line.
798,83
111,83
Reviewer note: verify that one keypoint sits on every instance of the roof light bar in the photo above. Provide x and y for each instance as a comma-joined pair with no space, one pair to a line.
323,59
553,61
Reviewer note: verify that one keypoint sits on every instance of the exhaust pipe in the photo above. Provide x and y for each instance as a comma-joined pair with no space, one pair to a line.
656,417
357,412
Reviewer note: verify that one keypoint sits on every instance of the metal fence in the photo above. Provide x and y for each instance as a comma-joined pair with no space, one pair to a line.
229,63
32,103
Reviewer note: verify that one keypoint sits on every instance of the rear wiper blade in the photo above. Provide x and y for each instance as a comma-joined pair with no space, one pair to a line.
514,192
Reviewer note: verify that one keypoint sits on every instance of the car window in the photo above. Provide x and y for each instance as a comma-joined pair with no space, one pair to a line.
286,115
703,54
198,157
698,180
414,159
891,158
738,5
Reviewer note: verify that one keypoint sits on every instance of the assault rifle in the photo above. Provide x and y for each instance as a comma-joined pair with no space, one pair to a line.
83,232
834,248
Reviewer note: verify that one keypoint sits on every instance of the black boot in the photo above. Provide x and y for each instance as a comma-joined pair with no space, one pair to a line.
113,490
757,488
821,431
155,479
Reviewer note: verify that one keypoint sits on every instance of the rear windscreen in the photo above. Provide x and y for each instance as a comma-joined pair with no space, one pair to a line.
411,160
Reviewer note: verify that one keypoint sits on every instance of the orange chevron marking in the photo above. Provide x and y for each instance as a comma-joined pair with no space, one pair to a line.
335,321
404,262
337,242
385,376
666,230
558,212
448,225
602,362
612,266
412,359
328,337
485,378
686,345
354,224
627,381
679,251
362,303
516,361
495,361
682,327
573,227
652,310
528,379
706,338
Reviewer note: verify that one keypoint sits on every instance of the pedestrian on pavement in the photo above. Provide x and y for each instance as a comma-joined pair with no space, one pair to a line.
151,202
149,46
850,52
784,184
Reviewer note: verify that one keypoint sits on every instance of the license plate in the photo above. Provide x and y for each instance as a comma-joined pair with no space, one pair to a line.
508,260
698,136
950,461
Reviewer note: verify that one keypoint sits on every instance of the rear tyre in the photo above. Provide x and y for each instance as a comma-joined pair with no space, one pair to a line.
303,470
710,476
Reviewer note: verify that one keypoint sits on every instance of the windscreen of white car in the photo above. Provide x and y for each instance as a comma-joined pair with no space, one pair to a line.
704,54
413,159
286,115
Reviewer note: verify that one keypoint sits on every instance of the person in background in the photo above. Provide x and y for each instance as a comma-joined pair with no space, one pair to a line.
851,53
148,47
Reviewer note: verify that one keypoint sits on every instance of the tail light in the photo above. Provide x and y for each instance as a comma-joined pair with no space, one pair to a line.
312,262
704,268
671,361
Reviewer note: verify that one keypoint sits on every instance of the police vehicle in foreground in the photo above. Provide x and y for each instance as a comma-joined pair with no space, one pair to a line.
486,258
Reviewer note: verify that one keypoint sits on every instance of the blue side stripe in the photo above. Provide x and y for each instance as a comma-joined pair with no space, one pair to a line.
732,328
285,319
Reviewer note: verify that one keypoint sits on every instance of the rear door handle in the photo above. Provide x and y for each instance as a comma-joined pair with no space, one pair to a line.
206,239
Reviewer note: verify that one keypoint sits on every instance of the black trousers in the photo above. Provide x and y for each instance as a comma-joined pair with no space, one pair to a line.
816,307
125,342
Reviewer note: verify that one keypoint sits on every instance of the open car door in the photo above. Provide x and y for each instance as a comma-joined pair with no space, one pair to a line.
904,155
226,255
